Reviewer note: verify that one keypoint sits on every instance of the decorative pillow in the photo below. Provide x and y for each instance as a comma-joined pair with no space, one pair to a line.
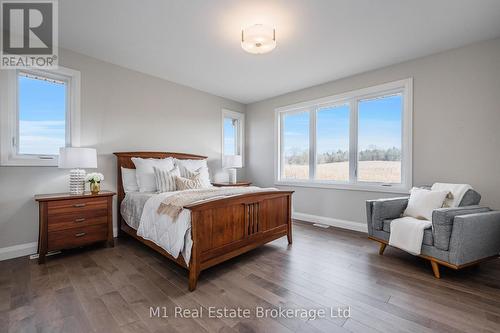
188,183
189,167
129,180
422,202
145,172
165,180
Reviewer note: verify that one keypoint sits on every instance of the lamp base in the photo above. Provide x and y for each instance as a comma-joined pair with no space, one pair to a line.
232,176
77,181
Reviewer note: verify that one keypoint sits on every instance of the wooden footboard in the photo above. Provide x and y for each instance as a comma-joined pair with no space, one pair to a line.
223,228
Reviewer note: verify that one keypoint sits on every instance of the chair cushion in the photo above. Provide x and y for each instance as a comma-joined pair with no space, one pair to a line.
442,223
428,238
470,198
387,209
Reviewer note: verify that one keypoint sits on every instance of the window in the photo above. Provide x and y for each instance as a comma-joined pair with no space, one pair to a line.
230,136
233,124
296,145
41,114
332,142
357,140
379,139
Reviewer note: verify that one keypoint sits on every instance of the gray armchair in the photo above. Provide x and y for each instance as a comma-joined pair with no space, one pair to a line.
459,237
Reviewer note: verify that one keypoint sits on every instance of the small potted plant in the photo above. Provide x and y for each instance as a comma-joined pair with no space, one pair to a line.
94,179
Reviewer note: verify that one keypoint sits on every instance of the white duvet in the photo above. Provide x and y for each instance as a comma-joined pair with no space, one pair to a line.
173,236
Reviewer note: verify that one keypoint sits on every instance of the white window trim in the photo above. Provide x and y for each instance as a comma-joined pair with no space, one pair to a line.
404,86
241,131
9,114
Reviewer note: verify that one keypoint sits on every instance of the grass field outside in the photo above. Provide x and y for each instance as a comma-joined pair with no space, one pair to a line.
369,171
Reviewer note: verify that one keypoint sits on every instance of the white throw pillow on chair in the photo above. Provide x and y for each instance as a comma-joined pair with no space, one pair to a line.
422,202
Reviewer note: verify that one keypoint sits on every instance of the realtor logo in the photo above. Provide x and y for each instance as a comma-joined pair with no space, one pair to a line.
29,34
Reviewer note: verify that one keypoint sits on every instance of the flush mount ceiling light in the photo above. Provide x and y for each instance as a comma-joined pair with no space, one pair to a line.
258,39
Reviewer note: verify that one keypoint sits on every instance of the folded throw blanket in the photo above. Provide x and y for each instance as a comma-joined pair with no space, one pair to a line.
407,233
173,205
457,192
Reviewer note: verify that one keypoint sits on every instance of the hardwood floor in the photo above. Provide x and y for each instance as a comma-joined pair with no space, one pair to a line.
112,289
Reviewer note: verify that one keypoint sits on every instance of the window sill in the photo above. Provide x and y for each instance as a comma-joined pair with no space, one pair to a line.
350,187
34,161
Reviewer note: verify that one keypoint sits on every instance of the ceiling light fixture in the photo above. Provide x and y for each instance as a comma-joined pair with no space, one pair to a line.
258,39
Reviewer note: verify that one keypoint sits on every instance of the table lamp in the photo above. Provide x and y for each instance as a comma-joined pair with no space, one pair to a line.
77,159
231,162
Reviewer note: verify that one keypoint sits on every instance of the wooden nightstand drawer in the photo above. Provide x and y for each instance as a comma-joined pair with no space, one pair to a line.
76,237
77,220
68,221
97,206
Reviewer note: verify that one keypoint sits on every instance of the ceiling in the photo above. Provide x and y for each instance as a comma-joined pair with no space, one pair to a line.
197,42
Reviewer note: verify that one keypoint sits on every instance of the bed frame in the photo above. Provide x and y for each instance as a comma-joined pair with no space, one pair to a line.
221,229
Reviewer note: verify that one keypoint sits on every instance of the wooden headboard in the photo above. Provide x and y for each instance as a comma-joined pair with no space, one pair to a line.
125,160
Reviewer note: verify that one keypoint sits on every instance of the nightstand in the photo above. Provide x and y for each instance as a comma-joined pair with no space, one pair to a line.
68,221
239,184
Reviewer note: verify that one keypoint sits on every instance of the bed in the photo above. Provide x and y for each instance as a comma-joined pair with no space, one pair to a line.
220,229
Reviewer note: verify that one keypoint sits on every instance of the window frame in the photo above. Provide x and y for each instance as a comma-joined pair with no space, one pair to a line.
240,132
352,98
10,114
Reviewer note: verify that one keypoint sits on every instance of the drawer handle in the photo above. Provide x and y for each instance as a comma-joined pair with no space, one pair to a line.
79,205
80,234
80,220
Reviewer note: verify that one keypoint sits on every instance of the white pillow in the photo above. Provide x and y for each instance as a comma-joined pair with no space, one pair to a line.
422,202
188,167
191,165
129,180
145,173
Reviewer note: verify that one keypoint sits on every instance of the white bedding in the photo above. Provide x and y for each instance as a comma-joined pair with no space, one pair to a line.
132,206
139,210
173,237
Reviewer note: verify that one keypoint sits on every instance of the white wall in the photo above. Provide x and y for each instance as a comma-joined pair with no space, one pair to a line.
456,131
456,128
122,110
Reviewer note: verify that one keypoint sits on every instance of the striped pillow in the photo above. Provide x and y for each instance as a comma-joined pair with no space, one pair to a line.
189,183
165,180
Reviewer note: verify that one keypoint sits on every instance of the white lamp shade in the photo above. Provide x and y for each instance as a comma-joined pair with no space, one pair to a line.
232,161
77,158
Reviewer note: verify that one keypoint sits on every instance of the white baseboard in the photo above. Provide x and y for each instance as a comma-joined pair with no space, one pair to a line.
20,250
32,248
344,224
27,249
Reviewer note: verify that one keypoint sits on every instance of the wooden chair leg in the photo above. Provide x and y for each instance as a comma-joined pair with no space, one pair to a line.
435,269
382,248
